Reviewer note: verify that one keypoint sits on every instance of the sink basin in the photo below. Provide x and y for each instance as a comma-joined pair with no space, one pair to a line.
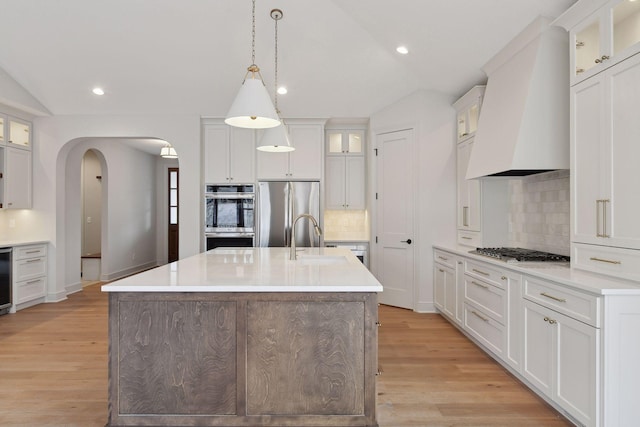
322,259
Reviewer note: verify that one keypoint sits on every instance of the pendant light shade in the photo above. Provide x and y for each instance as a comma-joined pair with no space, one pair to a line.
252,107
168,152
275,140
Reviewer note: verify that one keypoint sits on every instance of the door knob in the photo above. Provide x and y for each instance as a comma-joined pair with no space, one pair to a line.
408,241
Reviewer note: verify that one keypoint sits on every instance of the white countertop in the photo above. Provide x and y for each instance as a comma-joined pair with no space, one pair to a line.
557,272
255,270
11,243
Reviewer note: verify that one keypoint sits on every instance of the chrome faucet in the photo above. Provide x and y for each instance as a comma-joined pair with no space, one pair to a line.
317,229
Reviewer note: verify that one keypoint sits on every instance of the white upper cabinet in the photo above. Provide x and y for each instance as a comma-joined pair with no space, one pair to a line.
605,230
345,169
15,178
304,163
468,109
3,121
601,37
229,154
19,133
345,142
468,191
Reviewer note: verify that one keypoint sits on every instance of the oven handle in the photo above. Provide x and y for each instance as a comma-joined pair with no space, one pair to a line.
235,196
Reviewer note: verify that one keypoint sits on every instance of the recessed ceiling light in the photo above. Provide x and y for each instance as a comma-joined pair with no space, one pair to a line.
402,49
282,90
98,91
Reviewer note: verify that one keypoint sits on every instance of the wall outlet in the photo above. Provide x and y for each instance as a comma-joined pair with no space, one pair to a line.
88,220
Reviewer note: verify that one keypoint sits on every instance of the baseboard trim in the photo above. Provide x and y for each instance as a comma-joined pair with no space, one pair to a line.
73,288
425,307
57,296
107,277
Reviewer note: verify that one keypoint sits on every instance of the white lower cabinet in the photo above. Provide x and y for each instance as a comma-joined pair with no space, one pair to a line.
29,275
561,359
445,290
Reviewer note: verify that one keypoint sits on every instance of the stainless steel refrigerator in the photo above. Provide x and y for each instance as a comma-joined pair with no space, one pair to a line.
279,203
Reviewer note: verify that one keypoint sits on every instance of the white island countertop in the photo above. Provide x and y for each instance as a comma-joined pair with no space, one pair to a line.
255,270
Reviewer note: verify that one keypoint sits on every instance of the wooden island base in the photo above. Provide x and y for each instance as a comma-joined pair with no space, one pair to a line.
242,359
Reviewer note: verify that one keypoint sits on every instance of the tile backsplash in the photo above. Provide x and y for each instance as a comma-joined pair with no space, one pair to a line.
345,224
539,212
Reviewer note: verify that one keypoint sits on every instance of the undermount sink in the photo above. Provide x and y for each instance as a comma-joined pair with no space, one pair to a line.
322,259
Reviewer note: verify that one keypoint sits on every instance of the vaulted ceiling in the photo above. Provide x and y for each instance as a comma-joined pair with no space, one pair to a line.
337,57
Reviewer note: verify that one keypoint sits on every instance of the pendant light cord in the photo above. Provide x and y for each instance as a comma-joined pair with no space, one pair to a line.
276,68
253,33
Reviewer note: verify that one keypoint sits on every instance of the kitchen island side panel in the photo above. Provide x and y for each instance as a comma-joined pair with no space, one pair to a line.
194,359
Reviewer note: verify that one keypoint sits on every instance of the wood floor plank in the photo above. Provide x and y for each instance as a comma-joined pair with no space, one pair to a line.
53,371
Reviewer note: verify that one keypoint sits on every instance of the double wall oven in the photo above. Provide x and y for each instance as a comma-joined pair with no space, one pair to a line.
229,215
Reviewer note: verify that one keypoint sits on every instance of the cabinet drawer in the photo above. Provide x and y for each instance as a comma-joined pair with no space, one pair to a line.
470,238
24,252
487,273
444,258
486,330
491,299
27,269
624,263
577,305
30,290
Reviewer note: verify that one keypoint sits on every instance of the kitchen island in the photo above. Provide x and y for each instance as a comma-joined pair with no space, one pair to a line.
245,337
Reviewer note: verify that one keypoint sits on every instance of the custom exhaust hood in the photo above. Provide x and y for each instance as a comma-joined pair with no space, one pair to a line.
524,121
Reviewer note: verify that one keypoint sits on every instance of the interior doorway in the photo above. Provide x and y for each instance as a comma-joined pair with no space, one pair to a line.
173,237
92,209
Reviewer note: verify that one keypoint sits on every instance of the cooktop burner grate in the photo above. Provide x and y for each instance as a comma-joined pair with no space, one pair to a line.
520,254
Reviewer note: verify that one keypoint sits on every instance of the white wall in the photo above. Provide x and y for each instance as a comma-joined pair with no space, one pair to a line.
432,117
55,137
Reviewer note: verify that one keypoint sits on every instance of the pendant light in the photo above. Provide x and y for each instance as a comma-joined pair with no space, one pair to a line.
276,140
252,107
168,152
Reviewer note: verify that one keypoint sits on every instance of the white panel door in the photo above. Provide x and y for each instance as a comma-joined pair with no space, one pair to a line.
395,216
539,348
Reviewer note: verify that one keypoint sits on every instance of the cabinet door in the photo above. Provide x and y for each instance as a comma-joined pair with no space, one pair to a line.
450,292
439,283
19,133
589,158
577,367
539,348
306,161
272,165
623,228
355,183
469,216
335,185
3,121
216,154
242,154
17,178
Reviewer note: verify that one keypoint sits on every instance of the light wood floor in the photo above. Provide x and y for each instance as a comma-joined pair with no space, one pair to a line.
53,371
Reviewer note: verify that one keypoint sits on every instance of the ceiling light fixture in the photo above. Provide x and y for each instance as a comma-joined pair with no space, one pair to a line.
98,91
402,49
276,140
252,107
282,90
168,152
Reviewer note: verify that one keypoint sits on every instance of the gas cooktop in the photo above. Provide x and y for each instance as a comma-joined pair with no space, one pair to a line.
519,254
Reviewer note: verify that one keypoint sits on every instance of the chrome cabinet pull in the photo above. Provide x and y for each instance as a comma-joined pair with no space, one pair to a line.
443,258
550,320
604,218
481,272
480,285
378,324
601,59
33,252
605,260
544,294
504,278
466,238
441,270
598,233
33,281
29,261
484,319
465,216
